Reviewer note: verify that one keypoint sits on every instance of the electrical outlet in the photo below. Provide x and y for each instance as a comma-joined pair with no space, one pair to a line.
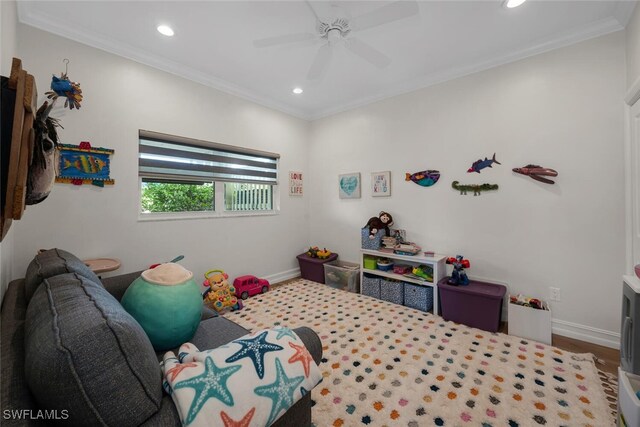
554,294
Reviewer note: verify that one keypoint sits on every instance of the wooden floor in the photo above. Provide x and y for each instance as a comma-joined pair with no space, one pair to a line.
609,356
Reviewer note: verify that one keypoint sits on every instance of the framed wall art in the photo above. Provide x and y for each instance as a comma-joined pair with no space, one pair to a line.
381,184
295,183
349,185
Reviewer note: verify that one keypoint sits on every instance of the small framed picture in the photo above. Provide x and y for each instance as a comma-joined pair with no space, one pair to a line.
349,185
295,183
381,184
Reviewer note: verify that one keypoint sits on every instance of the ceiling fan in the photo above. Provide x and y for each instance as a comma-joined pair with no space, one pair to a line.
340,30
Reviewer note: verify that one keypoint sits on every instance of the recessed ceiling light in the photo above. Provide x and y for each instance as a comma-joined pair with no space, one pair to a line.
297,90
510,4
165,30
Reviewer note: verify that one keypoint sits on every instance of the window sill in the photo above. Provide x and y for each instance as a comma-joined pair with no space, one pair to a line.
178,216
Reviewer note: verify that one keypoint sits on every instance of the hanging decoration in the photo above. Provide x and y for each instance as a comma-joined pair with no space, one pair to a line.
537,172
480,164
62,86
82,164
42,170
476,188
424,178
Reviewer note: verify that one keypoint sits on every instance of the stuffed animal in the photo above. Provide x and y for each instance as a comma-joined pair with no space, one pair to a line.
221,294
381,222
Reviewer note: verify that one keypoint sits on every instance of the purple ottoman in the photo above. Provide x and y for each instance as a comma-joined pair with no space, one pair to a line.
479,304
313,268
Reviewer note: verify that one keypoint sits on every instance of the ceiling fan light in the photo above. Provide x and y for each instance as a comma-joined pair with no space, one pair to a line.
165,30
297,90
510,4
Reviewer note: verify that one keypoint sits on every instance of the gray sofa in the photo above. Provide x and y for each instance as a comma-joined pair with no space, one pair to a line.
72,355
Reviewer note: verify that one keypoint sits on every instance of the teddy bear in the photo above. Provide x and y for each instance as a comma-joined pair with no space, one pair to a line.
381,222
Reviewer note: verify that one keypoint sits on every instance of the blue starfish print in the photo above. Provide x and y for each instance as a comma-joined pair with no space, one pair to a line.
284,332
280,391
211,383
254,348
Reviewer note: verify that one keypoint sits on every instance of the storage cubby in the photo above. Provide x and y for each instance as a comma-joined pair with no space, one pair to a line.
377,288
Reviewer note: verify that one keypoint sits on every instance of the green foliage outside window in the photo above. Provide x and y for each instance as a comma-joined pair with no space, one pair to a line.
176,197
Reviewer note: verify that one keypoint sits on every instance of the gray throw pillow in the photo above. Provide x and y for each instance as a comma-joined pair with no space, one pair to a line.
51,263
87,355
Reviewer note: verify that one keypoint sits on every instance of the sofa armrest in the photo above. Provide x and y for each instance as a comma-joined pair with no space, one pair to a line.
312,341
117,285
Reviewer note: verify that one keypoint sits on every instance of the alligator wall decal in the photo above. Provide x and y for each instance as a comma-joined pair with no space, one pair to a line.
476,188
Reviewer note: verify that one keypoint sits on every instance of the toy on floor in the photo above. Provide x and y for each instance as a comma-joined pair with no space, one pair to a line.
537,172
247,286
220,295
166,302
379,223
527,301
315,252
458,276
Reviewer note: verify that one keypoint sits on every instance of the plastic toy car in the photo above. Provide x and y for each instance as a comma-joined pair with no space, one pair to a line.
247,286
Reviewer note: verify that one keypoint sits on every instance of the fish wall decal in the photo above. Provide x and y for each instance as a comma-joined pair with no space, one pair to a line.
537,172
424,178
480,164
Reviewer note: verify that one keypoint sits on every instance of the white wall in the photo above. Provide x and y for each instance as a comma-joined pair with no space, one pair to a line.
8,47
633,47
561,109
120,97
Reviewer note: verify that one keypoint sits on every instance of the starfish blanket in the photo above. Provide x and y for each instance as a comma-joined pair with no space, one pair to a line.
248,382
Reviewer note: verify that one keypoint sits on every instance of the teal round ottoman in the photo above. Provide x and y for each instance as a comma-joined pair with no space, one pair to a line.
166,302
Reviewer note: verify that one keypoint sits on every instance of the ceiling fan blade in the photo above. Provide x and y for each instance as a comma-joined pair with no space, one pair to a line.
320,62
285,39
389,13
367,52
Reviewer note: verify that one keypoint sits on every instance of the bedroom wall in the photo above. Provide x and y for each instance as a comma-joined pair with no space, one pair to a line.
562,109
8,46
121,97
633,47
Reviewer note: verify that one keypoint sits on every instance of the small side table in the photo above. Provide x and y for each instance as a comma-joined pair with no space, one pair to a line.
102,265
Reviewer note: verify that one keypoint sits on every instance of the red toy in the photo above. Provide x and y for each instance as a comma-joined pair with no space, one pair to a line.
247,286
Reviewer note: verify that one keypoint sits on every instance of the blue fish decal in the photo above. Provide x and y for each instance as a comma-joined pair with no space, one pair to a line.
424,178
480,164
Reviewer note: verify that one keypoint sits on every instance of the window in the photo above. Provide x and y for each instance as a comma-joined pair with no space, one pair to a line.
179,175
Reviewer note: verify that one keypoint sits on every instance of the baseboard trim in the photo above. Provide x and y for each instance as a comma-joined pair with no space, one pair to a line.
586,333
284,275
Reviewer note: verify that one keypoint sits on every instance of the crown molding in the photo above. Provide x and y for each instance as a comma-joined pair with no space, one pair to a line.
595,29
623,11
28,16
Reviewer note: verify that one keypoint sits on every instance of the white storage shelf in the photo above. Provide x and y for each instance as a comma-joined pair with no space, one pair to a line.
437,262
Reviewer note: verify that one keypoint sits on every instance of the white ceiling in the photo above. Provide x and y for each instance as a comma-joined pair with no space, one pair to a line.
213,42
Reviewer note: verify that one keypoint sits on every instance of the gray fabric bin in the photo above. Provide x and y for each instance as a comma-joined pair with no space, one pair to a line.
418,297
392,291
371,286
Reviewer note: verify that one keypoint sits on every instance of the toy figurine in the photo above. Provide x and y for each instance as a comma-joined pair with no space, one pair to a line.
220,294
458,276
